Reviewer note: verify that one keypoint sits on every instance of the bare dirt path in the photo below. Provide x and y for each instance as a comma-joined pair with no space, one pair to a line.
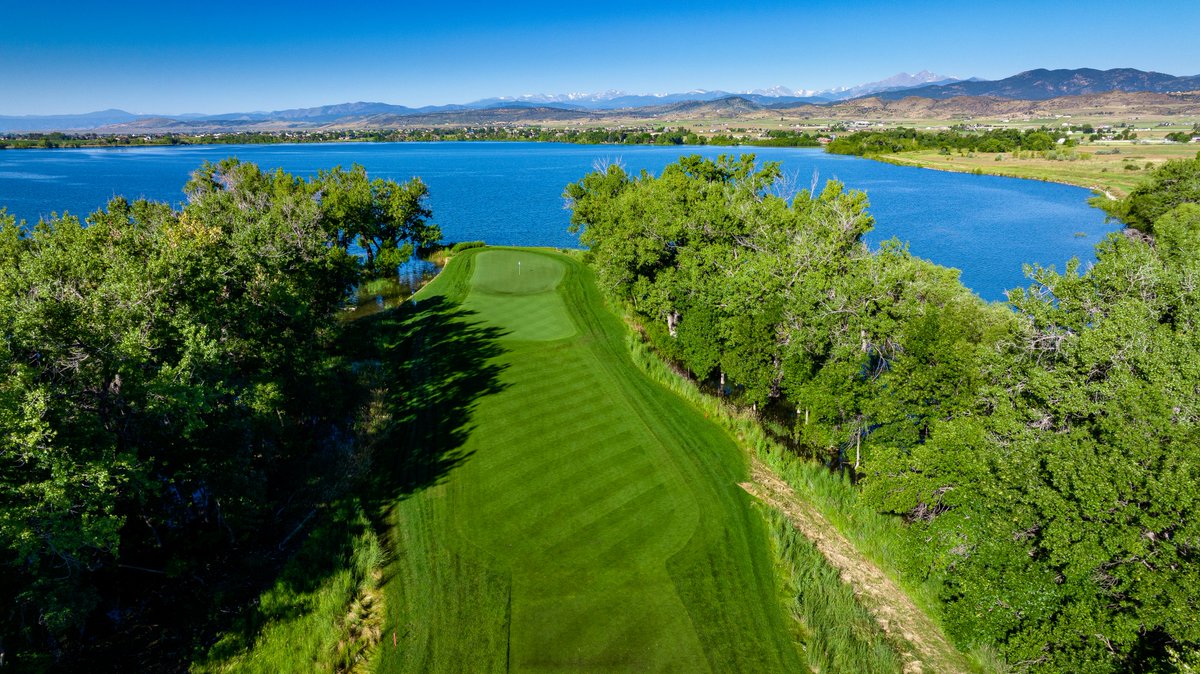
921,642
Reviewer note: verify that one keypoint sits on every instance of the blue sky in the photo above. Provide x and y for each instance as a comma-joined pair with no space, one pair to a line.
222,56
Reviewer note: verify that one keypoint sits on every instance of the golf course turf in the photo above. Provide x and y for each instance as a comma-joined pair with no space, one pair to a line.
555,509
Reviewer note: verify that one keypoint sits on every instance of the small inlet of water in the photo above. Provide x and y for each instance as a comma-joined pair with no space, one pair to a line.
380,294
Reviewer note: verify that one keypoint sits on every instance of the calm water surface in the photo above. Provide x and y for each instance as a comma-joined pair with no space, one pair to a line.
511,193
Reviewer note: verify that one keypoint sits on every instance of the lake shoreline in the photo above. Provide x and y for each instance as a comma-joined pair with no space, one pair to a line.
511,193
909,162
96,144
1109,169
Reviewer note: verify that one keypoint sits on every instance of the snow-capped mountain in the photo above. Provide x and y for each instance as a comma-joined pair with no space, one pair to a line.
896,82
615,98
612,99
783,92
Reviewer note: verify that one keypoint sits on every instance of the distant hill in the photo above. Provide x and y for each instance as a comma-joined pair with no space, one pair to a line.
729,106
119,121
144,125
90,120
616,100
902,96
327,113
353,114
768,101
512,114
779,95
324,113
970,107
607,100
1042,84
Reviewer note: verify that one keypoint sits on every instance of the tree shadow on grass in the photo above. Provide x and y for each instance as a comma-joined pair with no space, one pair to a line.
434,362
429,364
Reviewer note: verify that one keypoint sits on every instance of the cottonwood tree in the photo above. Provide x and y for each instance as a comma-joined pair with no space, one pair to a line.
387,220
163,373
1041,455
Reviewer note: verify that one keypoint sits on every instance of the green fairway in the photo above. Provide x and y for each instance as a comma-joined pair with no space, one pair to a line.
561,511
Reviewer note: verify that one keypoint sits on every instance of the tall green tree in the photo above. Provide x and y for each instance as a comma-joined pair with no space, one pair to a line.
166,375
1171,185
384,218
1041,454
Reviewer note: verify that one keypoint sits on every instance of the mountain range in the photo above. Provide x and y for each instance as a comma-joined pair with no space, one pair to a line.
618,100
1042,84
607,100
1032,85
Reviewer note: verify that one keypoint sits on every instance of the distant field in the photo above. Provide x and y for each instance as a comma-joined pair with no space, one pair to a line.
1116,174
568,514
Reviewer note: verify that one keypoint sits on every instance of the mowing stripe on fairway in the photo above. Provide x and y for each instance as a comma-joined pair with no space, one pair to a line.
592,521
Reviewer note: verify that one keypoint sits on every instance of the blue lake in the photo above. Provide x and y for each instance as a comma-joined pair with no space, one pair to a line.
511,193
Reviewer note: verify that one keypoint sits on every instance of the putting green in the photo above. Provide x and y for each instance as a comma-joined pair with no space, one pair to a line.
593,520
516,291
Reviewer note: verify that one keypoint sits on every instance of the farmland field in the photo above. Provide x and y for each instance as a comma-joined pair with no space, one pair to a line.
565,512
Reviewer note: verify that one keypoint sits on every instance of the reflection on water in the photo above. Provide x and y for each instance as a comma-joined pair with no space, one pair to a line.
376,295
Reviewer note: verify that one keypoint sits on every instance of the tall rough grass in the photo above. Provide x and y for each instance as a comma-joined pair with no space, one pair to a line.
839,635
324,614
877,537
466,245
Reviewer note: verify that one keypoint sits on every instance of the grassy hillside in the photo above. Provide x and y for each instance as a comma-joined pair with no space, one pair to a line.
564,511
1116,172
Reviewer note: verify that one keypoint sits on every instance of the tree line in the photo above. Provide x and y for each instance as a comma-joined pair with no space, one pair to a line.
1042,453
891,141
171,399
644,135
